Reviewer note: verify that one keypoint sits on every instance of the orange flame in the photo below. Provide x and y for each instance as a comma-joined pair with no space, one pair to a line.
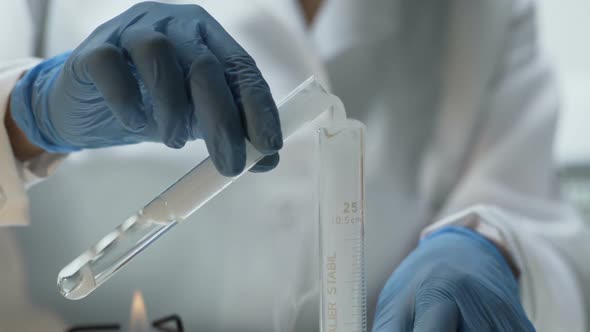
139,320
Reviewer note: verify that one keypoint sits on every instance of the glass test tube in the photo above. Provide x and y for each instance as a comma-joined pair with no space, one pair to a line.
342,228
88,271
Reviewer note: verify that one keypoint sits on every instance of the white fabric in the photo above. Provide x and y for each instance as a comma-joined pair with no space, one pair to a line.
495,99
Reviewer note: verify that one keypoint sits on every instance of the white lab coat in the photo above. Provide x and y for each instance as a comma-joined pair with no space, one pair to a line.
460,107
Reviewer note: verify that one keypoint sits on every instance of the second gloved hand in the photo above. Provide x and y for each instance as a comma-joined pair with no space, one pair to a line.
456,280
157,72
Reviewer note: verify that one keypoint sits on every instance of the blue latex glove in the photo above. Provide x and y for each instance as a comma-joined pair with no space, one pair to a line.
158,72
456,280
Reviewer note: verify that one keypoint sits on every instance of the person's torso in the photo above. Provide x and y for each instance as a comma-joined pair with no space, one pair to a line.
244,264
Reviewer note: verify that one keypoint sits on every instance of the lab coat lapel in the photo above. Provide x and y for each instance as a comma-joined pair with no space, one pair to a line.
477,30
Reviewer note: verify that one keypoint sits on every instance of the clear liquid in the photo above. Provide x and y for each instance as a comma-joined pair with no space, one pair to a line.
77,285
96,265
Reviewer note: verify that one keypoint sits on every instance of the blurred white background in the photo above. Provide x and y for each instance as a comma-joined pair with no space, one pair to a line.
565,26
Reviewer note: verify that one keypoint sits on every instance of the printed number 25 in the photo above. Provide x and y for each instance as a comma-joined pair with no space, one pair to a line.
350,207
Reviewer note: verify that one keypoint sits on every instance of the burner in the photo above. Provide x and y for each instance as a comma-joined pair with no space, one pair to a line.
164,324
104,327
171,323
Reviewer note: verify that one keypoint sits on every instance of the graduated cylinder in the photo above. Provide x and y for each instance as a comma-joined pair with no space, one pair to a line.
342,227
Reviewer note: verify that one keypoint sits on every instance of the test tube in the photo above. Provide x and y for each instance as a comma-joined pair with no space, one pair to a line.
308,102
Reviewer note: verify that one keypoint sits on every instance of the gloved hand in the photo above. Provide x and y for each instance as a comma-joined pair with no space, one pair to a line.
157,72
456,280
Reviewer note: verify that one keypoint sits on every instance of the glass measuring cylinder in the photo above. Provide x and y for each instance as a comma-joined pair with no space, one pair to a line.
342,228
86,273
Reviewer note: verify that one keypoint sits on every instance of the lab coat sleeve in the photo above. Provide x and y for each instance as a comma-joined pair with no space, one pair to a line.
509,190
15,176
